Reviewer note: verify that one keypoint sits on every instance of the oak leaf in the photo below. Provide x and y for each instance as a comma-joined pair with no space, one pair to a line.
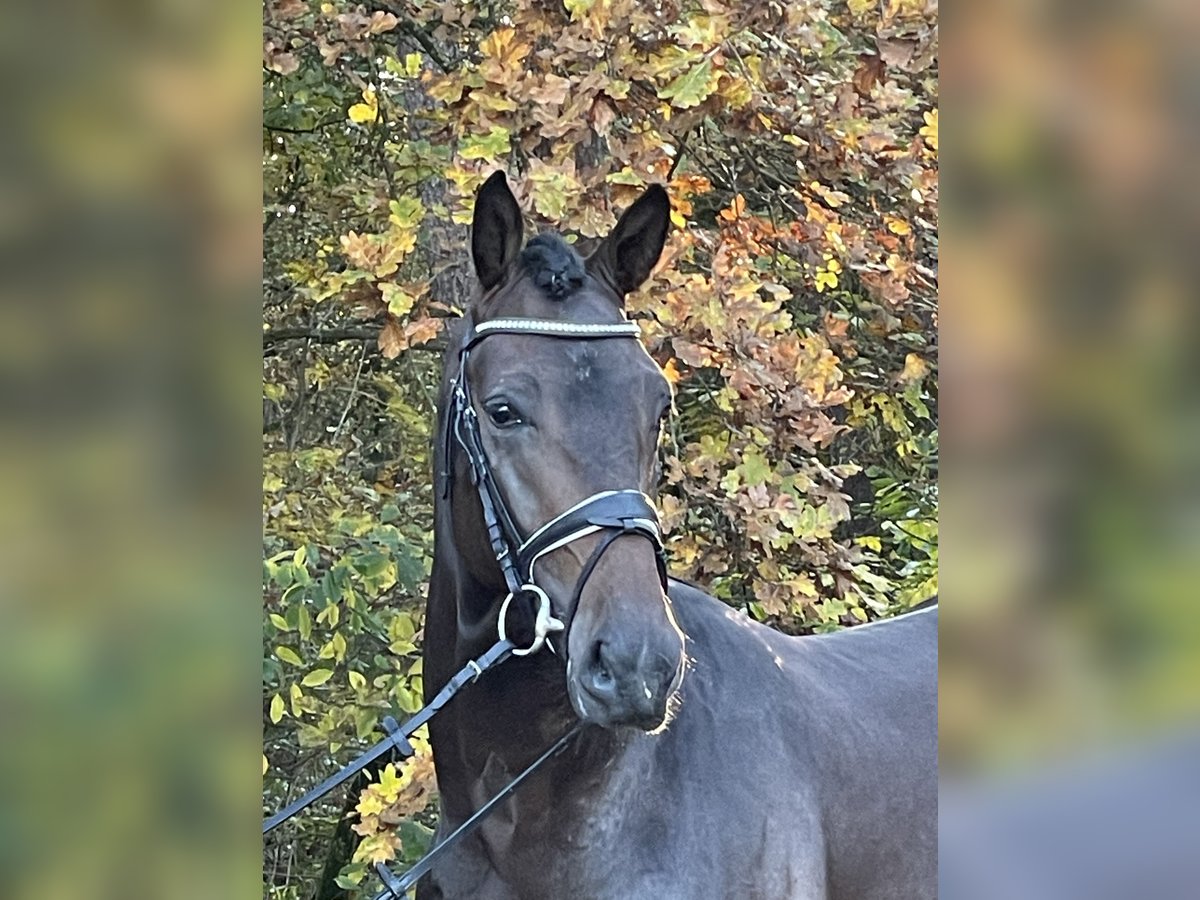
391,339
691,88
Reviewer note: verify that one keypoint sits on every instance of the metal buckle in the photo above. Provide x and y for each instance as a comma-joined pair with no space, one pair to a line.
544,622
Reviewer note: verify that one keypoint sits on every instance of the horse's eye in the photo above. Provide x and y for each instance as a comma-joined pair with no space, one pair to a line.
502,414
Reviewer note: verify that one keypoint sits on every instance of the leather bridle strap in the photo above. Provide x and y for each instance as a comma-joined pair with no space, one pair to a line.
616,512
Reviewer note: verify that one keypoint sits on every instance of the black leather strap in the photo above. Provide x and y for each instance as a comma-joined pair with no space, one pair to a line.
623,512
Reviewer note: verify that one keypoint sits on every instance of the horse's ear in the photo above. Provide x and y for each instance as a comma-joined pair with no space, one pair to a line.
496,230
626,257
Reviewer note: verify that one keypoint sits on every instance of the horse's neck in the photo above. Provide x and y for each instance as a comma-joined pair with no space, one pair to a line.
497,726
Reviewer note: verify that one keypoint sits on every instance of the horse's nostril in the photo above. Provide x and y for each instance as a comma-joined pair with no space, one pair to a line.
602,677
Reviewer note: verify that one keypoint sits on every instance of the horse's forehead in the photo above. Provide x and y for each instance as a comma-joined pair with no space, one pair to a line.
521,297
565,363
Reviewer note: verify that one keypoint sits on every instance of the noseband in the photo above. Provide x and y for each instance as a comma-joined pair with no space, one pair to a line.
613,513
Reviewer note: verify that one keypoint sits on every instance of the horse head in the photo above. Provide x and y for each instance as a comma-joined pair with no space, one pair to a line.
566,428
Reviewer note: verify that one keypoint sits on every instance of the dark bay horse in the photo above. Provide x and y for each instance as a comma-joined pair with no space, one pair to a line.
720,758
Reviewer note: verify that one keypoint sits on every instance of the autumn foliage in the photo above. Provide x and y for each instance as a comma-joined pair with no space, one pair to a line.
794,310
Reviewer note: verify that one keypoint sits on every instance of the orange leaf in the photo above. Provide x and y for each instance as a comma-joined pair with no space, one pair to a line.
391,339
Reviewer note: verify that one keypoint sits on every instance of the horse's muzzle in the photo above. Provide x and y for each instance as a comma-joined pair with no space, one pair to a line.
627,682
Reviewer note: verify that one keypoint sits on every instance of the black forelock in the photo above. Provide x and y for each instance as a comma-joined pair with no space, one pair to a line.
553,265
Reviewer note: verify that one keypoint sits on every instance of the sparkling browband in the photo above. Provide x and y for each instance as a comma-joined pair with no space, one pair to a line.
567,329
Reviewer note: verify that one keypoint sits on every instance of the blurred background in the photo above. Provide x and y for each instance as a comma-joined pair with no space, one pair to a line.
129,464
131,577
1070,653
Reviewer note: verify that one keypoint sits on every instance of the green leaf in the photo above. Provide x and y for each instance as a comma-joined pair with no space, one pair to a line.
399,301
288,655
578,8
692,87
316,677
277,709
489,146
357,680
626,176
280,622
755,470
351,875
407,212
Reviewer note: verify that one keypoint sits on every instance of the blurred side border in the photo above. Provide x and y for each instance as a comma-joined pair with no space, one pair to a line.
130,222
1070,651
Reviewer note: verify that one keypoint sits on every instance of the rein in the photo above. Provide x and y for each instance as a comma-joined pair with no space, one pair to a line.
614,513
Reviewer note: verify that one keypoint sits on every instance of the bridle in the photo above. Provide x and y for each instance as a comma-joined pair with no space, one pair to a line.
613,513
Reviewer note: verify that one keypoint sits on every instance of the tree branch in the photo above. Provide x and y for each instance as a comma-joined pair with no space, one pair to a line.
335,336
427,45
283,129
319,335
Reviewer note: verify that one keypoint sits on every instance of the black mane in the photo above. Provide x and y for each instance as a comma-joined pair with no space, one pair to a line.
553,265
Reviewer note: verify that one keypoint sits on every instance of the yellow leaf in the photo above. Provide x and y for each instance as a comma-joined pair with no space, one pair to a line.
826,280
735,91
277,708
368,110
915,368
930,130
316,677
412,65
288,655
371,804
390,783
265,765
357,681
897,226
861,7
